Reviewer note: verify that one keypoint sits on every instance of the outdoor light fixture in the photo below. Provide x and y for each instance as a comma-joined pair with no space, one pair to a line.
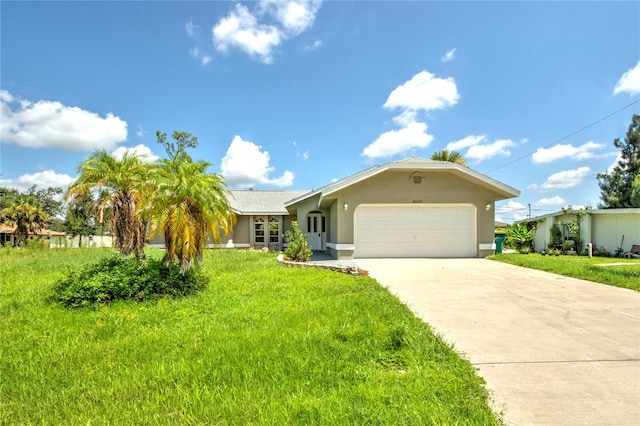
345,206
416,178
488,206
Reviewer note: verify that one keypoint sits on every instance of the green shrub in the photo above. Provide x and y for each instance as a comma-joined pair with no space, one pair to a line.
520,236
297,249
556,236
117,278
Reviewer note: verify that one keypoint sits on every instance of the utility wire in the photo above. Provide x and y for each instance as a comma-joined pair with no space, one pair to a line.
566,137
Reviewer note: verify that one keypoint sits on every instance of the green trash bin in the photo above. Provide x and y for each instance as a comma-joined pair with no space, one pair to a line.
499,242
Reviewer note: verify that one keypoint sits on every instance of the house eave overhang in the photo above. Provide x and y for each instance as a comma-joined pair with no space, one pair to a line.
630,210
501,190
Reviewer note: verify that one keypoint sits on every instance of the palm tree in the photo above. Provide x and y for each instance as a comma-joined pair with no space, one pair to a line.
27,214
450,156
122,184
189,206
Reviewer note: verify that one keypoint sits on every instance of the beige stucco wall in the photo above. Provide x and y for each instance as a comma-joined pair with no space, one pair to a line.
607,230
240,232
395,187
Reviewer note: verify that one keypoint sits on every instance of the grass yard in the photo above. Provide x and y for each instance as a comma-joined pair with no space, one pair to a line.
262,344
626,276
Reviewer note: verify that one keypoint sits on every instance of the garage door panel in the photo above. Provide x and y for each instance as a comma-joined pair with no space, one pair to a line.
415,231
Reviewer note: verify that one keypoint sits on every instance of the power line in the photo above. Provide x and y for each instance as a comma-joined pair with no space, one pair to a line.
566,137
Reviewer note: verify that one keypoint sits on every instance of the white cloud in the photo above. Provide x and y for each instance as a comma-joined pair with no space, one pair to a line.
258,33
44,179
552,201
396,141
304,155
449,56
481,152
565,179
313,46
50,124
142,151
295,16
629,82
510,207
466,142
191,28
141,132
194,32
246,165
557,152
479,149
424,92
196,53
517,217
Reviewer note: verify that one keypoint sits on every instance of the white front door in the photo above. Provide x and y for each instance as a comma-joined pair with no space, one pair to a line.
315,231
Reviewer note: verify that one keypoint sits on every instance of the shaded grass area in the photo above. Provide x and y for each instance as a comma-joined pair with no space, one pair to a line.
591,269
261,344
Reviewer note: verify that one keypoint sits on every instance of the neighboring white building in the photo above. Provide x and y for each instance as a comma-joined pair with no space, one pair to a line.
603,228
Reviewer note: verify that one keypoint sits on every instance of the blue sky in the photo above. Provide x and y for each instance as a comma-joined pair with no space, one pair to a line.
295,94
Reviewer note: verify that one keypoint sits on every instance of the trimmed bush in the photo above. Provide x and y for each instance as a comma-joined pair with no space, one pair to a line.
297,249
118,278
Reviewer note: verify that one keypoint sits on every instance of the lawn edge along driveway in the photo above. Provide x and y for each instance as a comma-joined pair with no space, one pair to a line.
552,349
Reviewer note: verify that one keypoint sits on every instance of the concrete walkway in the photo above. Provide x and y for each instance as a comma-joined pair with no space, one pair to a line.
553,350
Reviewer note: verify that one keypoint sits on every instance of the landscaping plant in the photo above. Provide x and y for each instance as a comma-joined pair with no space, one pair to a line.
297,249
520,237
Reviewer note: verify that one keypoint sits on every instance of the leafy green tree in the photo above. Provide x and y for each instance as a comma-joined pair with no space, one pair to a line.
617,187
450,156
79,220
189,205
635,191
122,185
26,213
7,195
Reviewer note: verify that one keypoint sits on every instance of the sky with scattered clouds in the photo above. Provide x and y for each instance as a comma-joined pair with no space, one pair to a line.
296,94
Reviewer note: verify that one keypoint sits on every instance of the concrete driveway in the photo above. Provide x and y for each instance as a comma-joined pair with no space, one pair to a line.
553,350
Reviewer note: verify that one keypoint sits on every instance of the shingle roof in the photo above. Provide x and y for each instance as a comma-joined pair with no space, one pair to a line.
262,202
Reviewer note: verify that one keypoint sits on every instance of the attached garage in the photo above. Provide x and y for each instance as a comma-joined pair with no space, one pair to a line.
407,208
415,230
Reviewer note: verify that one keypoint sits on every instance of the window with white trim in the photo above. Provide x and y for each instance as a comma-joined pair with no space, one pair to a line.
258,226
274,230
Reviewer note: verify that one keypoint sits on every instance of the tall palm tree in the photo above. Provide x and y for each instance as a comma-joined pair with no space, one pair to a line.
189,206
122,184
450,156
27,214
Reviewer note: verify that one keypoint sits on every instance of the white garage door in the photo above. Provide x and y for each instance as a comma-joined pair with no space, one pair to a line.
415,230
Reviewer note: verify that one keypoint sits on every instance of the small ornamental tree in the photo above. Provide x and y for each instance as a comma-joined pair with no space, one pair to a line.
297,249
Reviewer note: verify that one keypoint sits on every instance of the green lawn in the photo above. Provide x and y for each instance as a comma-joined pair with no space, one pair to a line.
627,276
262,344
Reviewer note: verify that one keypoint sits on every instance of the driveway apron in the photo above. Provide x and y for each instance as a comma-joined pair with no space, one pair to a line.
553,350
